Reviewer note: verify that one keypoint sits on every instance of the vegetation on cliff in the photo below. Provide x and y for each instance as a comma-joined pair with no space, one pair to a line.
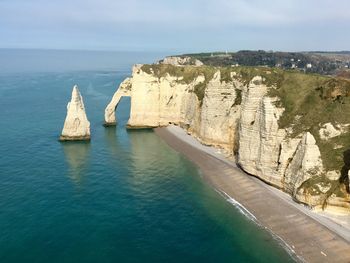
310,101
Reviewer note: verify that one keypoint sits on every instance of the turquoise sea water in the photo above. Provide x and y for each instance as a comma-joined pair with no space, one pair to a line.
123,197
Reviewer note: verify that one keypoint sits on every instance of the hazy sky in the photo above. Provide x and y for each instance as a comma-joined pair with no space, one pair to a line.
177,25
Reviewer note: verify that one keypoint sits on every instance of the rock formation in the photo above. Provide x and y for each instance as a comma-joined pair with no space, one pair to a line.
181,61
123,91
305,164
76,125
260,137
243,112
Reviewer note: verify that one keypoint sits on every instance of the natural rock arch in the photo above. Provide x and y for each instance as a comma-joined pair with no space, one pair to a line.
124,90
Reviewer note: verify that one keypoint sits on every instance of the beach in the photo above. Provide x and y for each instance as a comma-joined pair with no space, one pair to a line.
311,236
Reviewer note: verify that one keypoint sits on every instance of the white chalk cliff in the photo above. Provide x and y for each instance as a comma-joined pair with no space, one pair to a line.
76,125
181,61
237,116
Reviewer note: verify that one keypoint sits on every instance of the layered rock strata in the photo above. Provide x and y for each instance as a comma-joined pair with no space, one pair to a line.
76,125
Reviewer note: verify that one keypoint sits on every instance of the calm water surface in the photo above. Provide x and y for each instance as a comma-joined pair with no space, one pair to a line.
124,197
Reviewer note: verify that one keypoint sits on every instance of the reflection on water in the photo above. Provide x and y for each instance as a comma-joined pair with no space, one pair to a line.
151,165
76,154
115,142
145,148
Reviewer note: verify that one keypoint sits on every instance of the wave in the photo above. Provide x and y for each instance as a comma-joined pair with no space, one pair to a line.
91,91
238,205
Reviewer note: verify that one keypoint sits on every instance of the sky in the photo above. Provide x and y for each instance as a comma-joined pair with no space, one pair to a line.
176,25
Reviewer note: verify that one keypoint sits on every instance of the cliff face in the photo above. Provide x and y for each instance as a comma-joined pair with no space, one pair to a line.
255,114
260,137
211,116
156,102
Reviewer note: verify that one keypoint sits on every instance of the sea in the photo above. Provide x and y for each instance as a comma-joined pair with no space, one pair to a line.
126,196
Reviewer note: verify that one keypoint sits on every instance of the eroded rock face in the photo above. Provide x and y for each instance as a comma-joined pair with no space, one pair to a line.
76,125
219,114
159,101
259,136
305,164
181,61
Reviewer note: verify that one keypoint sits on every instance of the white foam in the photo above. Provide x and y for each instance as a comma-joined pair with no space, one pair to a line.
238,205
91,91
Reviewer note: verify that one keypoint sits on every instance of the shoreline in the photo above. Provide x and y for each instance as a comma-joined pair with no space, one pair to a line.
311,236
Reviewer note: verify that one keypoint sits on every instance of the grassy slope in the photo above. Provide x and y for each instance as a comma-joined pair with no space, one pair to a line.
316,100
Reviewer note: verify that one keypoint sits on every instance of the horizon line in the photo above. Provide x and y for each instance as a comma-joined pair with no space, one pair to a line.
168,51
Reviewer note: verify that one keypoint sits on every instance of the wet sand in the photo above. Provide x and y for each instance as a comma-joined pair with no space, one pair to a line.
311,236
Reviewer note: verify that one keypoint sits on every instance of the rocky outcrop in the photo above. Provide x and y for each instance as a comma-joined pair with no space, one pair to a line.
306,163
76,125
181,61
237,110
329,131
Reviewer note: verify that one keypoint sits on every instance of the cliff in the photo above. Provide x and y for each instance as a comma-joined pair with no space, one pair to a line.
288,128
76,125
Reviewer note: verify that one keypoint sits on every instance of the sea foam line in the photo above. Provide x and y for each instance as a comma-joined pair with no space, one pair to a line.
238,205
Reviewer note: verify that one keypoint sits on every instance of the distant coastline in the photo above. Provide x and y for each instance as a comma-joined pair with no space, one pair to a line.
54,60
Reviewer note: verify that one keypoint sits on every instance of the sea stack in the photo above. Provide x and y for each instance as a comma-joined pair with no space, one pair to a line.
76,126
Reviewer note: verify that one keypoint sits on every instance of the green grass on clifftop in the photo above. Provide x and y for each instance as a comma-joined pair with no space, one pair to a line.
311,101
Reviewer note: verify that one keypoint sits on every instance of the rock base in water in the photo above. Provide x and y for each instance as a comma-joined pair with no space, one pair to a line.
75,138
139,127
109,124
76,125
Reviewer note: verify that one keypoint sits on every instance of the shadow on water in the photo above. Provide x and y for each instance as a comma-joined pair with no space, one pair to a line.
76,154
116,137
345,169
110,136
